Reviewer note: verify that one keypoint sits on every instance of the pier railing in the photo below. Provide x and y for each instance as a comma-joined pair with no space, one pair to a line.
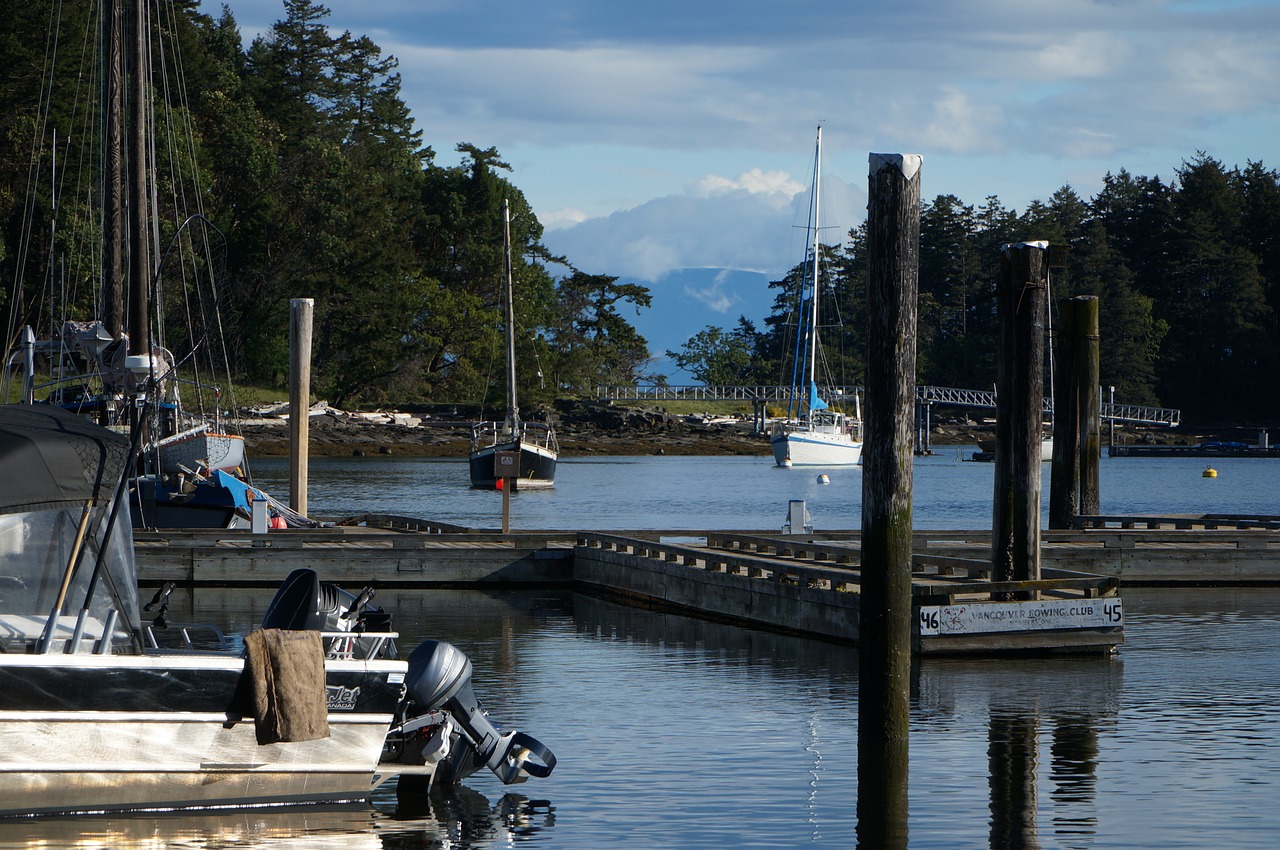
1109,411
934,577
835,566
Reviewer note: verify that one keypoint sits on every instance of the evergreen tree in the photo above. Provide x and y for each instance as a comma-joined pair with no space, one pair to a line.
715,356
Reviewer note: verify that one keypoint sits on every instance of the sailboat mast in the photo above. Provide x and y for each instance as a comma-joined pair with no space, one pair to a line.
813,311
139,251
113,210
513,410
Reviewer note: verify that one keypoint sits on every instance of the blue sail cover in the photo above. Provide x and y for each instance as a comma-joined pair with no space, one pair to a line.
236,489
815,401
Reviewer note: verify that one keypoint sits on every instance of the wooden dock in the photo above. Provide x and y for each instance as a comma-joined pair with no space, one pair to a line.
1213,450
815,591
800,583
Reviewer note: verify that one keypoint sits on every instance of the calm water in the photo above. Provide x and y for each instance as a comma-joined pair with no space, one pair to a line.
674,733
748,492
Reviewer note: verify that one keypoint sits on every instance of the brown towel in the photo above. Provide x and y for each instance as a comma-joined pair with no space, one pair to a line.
289,696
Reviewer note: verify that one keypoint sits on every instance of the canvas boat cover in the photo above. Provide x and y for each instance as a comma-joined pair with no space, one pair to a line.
51,459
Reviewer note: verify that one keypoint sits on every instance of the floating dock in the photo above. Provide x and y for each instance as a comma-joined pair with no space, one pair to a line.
1204,450
813,589
800,583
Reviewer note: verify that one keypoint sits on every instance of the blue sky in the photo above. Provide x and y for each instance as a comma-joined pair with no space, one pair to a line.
658,136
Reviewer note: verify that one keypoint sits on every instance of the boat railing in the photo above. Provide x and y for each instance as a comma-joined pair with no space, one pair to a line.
186,638
540,434
357,646
485,434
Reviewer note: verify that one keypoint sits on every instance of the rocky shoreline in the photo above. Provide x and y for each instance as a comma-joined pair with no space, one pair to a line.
605,432
584,429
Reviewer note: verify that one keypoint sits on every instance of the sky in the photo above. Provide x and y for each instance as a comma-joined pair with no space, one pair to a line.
657,137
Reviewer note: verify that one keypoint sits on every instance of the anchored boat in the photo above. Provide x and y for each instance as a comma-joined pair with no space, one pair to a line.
814,433
533,443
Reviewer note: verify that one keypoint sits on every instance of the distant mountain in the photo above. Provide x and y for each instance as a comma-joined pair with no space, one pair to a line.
687,300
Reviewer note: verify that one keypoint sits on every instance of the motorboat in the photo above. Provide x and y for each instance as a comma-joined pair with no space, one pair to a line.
101,711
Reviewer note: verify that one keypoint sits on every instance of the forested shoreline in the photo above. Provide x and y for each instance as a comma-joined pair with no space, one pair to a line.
1187,273
313,168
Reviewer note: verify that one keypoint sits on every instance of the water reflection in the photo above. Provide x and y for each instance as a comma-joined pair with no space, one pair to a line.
344,826
460,818
1074,773
457,818
676,732
1011,765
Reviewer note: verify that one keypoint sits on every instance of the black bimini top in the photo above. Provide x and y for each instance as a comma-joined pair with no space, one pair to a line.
50,458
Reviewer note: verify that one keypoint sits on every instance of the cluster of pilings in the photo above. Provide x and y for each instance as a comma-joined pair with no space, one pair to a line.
893,236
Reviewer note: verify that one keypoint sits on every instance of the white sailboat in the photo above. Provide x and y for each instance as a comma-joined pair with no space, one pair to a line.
814,433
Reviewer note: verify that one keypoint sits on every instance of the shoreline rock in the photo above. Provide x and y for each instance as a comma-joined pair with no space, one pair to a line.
584,429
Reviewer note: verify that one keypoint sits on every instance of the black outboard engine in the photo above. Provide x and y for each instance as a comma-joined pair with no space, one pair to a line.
303,602
439,679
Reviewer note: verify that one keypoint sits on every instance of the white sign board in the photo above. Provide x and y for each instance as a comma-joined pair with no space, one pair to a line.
1039,615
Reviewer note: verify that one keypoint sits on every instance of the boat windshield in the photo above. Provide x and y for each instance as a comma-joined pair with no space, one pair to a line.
38,557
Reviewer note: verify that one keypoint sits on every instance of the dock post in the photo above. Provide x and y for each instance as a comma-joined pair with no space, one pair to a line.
885,614
1074,485
300,317
1088,377
1020,309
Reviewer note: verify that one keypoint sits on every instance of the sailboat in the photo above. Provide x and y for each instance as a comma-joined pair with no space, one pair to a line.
529,447
118,369
814,433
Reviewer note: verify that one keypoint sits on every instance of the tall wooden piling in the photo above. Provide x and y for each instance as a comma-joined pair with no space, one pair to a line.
1020,309
300,318
884,628
1077,446
1088,352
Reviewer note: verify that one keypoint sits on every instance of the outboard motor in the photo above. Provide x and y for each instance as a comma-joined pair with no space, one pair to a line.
439,679
303,602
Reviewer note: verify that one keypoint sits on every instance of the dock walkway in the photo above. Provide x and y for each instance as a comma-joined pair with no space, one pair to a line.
805,583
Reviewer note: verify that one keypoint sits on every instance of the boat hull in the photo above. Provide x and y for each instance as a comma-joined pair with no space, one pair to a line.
105,733
812,448
537,465
153,505
202,450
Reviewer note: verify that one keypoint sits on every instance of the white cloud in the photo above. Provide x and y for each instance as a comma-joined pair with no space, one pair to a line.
714,296
756,181
960,125
729,228
616,107
566,217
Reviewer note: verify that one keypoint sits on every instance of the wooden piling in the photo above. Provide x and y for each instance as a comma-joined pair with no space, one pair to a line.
1064,480
885,619
1020,308
1088,372
300,318
1077,442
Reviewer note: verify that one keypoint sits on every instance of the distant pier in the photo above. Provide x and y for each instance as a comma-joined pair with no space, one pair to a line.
1202,450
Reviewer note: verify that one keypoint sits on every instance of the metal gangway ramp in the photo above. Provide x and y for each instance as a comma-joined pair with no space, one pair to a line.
925,398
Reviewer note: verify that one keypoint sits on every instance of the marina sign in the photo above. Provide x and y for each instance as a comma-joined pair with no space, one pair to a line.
1038,615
